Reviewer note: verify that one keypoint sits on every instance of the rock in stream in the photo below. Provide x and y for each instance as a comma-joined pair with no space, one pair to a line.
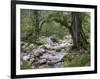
48,55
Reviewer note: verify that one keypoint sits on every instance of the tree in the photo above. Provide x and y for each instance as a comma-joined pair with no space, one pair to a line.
78,35
74,25
31,24
76,28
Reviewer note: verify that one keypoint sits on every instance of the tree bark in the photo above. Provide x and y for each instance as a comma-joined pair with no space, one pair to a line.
78,36
37,30
75,29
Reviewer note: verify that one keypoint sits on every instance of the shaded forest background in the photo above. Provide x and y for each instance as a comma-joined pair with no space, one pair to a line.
55,31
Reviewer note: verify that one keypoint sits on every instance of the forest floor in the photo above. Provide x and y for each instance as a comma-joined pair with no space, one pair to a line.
53,55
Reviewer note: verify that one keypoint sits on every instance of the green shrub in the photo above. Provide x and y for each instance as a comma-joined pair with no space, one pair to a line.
82,60
25,65
40,40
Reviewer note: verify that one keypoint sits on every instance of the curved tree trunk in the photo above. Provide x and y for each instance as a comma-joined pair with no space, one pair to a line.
75,29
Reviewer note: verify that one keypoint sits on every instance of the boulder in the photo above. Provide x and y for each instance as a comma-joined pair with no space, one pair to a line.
38,51
55,59
25,58
42,61
43,66
32,60
56,65
45,56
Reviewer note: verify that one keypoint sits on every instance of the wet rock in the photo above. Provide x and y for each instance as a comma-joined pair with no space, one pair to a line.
59,64
48,40
31,60
25,58
38,51
49,55
55,59
43,66
56,65
51,52
45,56
42,61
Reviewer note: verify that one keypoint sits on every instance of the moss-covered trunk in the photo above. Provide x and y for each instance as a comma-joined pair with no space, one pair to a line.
76,30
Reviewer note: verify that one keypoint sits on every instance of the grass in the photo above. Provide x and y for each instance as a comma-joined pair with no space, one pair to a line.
76,59
25,65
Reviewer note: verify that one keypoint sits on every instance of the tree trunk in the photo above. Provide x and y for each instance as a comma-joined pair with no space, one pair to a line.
75,29
37,30
77,33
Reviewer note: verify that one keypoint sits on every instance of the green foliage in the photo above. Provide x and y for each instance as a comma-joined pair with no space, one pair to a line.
80,61
25,65
86,24
40,40
72,60
47,25
36,25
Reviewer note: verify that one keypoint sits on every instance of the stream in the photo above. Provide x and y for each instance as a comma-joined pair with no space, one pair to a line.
49,55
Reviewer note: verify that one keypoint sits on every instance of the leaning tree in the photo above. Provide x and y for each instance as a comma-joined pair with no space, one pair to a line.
73,22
